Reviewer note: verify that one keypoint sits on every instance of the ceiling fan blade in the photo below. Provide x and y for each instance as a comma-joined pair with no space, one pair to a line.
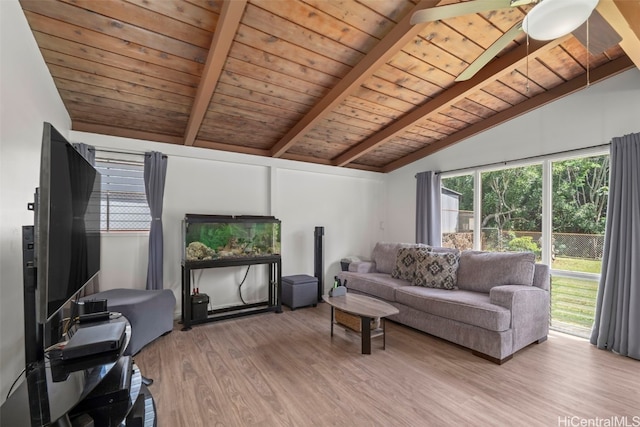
602,36
459,9
490,53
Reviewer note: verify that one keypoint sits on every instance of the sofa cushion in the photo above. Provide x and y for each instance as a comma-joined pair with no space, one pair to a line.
437,270
380,285
473,308
480,271
363,267
384,255
443,250
407,260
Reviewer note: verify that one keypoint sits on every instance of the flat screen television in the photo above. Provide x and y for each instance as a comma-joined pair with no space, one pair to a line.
67,225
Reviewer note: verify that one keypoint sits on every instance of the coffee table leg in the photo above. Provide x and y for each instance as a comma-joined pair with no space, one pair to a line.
384,333
332,319
366,334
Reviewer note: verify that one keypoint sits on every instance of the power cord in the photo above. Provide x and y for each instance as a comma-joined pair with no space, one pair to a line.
67,323
242,283
24,370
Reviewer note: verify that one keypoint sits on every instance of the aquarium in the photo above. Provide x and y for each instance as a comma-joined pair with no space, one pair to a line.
220,237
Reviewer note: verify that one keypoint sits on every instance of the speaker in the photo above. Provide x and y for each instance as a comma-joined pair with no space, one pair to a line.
33,343
318,262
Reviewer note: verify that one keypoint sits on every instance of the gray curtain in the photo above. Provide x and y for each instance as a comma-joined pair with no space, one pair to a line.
86,151
428,228
617,320
155,172
89,153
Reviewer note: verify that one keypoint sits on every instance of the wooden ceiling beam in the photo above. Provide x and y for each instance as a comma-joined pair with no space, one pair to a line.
491,72
220,146
226,29
624,16
605,71
395,40
319,161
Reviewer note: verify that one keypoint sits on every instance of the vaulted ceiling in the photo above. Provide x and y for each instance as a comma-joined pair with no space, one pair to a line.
340,82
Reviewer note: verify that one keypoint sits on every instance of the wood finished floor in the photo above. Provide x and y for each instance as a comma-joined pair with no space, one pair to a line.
285,370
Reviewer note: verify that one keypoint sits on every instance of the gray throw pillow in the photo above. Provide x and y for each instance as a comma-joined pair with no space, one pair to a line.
437,270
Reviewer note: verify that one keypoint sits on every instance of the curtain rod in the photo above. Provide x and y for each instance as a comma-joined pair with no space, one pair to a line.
504,163
131,153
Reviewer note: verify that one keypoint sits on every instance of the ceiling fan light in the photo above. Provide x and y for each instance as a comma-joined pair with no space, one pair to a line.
551,19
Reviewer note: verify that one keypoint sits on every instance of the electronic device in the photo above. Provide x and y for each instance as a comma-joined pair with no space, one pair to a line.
99,316
88,306
318,260
61,252
95,339
90,310
114,387
67,224
199,306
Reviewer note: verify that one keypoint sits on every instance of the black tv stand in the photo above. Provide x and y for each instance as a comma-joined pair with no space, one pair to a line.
106,389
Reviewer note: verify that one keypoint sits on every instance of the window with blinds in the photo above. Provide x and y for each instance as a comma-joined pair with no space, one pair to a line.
124,202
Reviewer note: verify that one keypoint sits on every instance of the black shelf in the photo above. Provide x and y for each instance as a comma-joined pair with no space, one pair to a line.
272,304
231,261
105,387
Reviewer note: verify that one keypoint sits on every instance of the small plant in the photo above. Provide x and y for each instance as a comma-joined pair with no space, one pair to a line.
524,244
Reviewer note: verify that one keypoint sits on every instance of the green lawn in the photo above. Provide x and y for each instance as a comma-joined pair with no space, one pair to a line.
573,301
577,264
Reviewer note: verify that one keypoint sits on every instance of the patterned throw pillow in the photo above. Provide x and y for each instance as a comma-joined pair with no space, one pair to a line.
437,270
407,260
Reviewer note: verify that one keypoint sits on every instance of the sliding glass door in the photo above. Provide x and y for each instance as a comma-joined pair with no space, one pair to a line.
555,208
580,189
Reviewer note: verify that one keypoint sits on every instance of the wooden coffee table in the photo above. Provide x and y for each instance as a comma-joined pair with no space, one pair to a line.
367,309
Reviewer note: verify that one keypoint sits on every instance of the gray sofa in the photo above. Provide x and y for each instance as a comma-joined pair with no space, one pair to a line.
494,303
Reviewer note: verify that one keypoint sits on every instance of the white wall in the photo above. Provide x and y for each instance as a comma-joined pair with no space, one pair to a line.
28,97
348,203
350,210
590,117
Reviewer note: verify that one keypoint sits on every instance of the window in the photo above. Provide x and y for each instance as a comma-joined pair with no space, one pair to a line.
510,213
457,212
559,201
511,218
580,191
124,203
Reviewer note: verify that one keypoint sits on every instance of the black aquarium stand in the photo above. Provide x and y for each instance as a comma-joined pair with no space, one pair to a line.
272,304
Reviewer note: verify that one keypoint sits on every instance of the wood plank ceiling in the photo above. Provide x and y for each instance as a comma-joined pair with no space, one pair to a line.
339,82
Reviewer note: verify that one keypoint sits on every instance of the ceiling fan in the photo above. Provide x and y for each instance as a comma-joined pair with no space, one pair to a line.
547,20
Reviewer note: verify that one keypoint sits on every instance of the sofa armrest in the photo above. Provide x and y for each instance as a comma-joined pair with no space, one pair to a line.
363,267
529,305
542,277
